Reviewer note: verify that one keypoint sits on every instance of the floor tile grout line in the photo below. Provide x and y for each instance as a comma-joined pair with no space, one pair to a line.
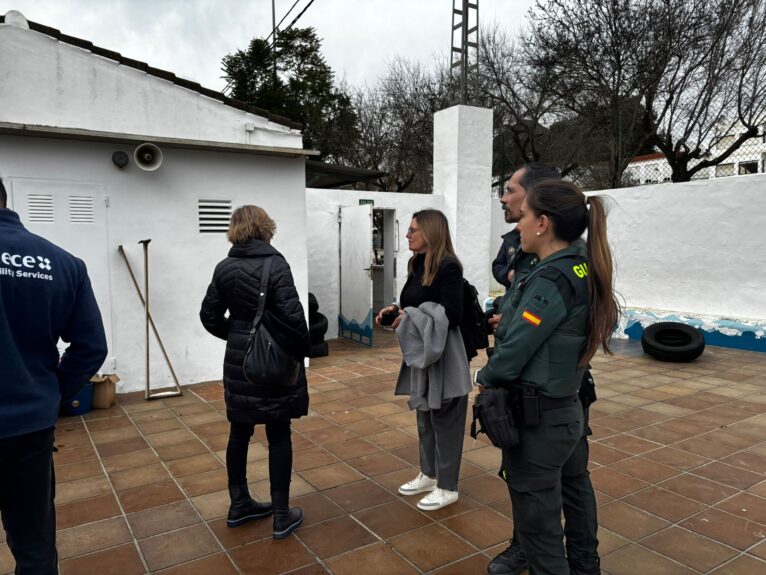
456,561
316,557
677,523
440,521
671,445
682,473
372,478
737,552
690,470
366,546
116,497
180,487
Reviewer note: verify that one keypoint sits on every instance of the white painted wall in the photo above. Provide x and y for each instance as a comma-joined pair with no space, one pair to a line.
47,82
322,233
162,205
693,248
463,176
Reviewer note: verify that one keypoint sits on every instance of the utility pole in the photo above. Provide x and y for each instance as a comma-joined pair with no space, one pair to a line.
274,42
465,47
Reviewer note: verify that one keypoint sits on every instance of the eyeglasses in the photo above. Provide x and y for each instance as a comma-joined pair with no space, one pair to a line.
411,231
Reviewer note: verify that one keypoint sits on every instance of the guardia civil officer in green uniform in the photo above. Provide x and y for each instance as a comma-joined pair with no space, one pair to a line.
553,321
579,500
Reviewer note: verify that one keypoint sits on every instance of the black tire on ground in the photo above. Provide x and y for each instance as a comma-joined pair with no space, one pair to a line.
318,327
313,303
673,341
320,350
317,339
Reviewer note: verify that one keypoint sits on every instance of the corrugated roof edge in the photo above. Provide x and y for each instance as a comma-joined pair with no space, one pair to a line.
164,74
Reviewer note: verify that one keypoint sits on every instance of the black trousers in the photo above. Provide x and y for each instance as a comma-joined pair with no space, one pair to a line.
27,490
580,516
579,505
533,472
280,454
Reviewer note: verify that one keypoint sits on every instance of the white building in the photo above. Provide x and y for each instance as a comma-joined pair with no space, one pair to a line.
67,107
750,158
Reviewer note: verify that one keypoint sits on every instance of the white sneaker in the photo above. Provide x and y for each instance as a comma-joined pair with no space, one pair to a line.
421,484
437,499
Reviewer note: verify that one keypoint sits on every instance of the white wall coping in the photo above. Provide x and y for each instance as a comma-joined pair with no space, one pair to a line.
56,132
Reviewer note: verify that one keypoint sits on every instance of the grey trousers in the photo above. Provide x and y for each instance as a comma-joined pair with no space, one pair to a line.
441,433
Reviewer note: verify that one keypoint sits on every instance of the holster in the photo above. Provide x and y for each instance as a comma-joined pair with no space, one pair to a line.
530,404
494,411
587,391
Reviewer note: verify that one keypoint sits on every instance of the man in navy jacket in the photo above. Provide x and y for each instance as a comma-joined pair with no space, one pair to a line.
45,295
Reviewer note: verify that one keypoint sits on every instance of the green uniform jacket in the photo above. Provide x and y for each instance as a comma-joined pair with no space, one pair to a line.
539,341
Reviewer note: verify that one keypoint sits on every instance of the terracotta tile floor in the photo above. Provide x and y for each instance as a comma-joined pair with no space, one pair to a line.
678,459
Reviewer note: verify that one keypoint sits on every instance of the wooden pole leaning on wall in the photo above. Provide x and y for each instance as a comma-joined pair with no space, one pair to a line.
150,323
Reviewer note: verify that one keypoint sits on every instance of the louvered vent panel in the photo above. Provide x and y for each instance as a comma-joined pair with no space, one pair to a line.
214,216
40,208
80,209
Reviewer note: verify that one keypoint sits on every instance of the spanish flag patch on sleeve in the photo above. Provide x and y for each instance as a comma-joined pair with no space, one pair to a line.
531,318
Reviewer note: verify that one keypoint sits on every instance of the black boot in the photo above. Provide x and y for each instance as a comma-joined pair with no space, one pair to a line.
286,519
244,508
512,561
593,569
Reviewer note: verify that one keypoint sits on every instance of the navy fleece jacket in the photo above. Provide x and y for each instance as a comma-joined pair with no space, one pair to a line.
45,295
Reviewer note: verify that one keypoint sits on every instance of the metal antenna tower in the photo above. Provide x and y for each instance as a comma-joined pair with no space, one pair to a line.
465,47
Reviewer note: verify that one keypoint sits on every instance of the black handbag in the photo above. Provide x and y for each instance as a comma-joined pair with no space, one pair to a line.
266,362
492,408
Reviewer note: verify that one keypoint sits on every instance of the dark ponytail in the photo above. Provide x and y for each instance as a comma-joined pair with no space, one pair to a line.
568,210
604,309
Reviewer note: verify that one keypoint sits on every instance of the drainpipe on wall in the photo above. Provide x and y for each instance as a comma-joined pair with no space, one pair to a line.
249,129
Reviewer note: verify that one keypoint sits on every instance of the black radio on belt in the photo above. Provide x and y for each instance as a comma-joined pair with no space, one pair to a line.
530,405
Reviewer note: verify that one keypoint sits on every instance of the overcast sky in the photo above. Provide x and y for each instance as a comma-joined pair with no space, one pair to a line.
190,37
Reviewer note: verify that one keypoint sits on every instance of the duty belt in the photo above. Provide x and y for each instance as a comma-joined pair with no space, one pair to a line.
548,403
533,404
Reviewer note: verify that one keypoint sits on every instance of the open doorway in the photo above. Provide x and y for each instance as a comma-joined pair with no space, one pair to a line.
368,249
385,246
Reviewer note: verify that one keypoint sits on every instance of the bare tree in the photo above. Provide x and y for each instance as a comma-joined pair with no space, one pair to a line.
712,84
600,56
522,103
532,121
395,125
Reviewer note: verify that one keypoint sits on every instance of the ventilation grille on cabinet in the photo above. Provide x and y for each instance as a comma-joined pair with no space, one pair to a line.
40,208
80,209
214,216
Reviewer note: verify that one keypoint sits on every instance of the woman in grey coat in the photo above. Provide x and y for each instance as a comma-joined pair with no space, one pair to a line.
434,370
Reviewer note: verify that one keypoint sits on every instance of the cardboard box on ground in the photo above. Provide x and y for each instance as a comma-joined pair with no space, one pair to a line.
104,390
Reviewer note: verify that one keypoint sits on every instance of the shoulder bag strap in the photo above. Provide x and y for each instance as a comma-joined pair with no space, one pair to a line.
263,291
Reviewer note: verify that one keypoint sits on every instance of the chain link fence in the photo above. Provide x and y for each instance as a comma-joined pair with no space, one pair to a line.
750,158
654,168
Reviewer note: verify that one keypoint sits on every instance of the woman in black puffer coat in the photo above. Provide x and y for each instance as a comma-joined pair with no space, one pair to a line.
235,289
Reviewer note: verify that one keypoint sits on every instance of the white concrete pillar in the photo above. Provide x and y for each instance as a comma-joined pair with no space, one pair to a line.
463,176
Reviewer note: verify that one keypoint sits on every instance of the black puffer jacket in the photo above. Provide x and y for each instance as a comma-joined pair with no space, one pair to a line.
235,289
